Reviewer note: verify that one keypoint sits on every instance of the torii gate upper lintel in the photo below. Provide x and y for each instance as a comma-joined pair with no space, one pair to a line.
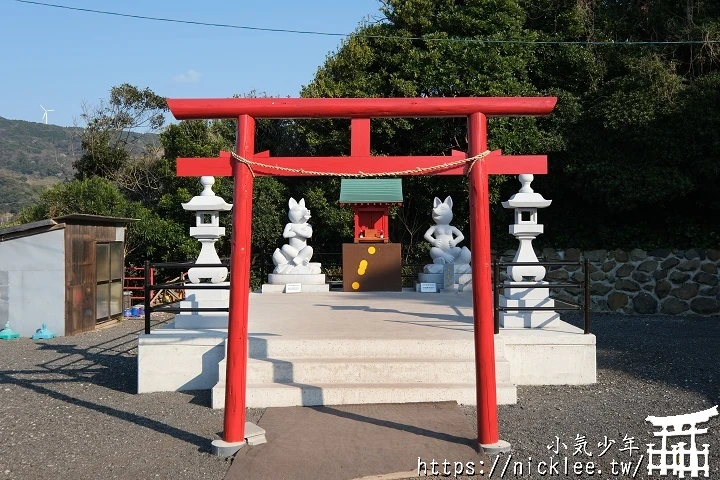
478,163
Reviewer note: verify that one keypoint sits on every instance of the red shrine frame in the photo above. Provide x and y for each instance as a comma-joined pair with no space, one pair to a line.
360,111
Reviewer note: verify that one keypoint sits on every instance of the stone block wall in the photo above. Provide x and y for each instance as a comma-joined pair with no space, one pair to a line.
661,281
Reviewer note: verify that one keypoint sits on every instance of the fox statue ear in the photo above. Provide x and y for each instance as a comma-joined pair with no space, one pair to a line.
302,202
448,202
436,202
292,203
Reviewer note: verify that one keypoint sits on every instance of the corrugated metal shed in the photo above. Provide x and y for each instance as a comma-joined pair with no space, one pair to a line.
371,190
25,229
66,272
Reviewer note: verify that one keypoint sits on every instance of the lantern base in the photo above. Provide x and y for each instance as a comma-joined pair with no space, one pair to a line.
523,297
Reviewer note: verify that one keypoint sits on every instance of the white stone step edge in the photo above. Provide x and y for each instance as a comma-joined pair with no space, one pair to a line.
365,370
333,348
272,347
287,395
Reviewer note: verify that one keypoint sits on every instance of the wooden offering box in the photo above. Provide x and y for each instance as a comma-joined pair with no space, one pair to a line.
371,267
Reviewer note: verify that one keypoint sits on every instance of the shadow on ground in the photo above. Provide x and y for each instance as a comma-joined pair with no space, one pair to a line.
64,370
679,351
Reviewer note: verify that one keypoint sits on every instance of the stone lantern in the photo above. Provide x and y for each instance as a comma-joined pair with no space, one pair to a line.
526,227
207,230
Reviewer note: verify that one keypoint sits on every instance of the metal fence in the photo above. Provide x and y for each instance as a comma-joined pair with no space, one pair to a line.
168,307
570,306
333,272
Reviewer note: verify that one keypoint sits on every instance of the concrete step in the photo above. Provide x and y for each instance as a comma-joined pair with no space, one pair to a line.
287,395
273,347
366,370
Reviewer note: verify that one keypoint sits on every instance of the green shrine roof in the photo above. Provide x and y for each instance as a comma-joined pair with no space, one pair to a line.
371,190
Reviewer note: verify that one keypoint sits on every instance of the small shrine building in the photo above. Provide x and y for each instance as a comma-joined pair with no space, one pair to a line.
371,200
374,267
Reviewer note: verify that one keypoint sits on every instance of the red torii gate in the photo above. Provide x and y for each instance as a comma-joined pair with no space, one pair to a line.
245,164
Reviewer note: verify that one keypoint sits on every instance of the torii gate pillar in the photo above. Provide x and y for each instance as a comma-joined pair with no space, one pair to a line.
360,110
483,329
236,382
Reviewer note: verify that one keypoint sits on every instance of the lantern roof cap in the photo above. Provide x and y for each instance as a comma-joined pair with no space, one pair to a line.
526,197
207,200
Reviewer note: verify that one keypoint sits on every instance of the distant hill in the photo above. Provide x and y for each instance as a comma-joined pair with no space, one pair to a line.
34,156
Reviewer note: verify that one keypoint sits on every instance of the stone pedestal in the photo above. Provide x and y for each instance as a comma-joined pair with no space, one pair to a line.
434,273
527,297
216,297
311,282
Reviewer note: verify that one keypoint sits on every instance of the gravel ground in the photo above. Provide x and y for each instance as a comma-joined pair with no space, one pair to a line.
657,366
68,408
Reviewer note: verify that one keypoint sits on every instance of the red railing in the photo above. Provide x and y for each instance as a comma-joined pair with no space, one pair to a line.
135,281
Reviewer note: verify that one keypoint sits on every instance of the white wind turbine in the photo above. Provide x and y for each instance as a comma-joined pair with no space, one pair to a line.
45,115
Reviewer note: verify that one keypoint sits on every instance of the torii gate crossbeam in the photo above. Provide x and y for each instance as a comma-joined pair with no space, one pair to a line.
360,162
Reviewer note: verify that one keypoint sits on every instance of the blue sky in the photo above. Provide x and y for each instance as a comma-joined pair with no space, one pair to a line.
62,58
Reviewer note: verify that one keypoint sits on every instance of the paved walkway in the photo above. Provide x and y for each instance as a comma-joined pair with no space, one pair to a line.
347,442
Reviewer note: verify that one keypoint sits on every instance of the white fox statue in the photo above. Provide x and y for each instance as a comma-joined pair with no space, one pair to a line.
294,257
444,239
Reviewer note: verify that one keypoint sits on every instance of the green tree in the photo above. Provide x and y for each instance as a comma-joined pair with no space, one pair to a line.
400,67
150,237
624,143
630,118
113,146
207,139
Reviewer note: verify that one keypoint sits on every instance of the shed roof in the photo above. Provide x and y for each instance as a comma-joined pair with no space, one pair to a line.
28,228
371,190
86,218
42,226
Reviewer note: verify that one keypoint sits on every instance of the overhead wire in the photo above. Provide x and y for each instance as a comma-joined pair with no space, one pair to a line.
381,37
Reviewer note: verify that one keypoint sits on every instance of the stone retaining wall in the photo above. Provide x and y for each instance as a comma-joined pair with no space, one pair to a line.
641,282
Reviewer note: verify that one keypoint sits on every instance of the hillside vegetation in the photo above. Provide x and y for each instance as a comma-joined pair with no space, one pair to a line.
34,156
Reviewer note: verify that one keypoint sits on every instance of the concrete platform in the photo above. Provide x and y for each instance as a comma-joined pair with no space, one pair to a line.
355,347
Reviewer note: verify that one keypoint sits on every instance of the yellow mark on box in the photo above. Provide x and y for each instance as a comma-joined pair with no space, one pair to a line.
371,250
362,267
355,285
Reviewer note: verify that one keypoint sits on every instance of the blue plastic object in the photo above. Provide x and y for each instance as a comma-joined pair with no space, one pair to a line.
134,311
127,313
7,333
43,333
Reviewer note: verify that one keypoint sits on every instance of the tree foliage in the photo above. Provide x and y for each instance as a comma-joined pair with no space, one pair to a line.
633,143
625,140
111,145
151,236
